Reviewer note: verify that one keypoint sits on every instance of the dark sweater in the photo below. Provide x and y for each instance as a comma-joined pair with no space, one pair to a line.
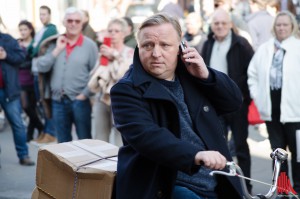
201,183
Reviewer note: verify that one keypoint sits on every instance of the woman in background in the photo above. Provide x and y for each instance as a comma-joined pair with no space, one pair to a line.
273,79
28,99
115,59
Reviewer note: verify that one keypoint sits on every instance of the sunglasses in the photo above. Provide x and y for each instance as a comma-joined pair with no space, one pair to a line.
70,21
113,30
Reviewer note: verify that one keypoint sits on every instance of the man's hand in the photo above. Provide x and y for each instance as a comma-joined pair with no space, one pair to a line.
194,63
61,43
2,53
210,159
81,97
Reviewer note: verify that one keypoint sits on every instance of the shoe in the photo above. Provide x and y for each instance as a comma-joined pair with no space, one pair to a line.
47,139
40,137
26,162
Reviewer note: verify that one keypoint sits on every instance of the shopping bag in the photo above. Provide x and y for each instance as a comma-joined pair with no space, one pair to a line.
253,115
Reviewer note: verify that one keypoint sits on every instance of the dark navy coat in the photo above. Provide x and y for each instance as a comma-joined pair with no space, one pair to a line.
10,66
148,120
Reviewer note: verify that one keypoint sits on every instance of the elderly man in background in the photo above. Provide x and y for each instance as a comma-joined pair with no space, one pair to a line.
69,61
231,54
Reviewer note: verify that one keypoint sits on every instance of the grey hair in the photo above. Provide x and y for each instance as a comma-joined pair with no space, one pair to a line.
159,19
72,10
120,22
295,29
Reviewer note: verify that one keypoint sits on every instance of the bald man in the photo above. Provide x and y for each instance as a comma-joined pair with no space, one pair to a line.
230,53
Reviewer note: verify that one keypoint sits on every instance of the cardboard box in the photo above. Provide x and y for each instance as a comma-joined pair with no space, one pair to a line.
39,194
78,169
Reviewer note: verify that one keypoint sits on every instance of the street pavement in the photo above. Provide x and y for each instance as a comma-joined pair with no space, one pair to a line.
18,182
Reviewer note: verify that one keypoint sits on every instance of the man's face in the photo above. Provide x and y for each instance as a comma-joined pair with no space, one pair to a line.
44,16
73,23
221,25
158,50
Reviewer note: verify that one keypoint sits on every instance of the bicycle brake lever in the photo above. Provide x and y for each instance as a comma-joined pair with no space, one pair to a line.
230,166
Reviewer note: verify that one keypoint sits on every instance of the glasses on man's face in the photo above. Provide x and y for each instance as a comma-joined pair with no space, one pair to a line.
76,21
113,30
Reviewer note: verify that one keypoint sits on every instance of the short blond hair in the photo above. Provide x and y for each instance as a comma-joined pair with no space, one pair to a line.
159,19
120,22
295,29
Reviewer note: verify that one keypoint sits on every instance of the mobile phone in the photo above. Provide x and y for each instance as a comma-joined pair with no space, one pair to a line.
107,41
182,46
104,60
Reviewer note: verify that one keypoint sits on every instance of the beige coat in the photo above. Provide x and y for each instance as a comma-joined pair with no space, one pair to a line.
104,77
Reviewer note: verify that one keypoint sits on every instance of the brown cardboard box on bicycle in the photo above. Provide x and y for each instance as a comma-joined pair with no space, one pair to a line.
77,169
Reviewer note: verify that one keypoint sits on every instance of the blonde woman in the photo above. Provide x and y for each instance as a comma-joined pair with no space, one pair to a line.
273,79
103,77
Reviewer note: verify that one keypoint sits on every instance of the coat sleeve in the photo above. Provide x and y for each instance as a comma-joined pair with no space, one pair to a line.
253,76
134,119
46,61
222,92
93,56
15,54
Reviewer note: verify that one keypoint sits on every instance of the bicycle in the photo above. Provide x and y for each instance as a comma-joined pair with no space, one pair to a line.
279,155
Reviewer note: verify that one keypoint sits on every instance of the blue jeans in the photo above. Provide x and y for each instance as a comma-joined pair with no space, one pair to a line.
180,192
13,110
49,123
66,112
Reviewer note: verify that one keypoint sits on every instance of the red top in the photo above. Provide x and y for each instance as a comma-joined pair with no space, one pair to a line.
70,48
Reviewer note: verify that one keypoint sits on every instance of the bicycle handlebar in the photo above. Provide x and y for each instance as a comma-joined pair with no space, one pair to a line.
279,155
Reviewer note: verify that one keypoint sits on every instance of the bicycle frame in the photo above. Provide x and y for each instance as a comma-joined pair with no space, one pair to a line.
278,155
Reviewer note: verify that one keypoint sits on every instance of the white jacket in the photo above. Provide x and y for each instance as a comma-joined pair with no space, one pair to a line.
259,80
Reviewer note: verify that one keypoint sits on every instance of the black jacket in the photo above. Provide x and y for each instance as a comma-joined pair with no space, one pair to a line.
238,59
148,120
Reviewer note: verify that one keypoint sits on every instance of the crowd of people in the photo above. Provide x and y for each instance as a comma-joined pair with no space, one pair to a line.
169,109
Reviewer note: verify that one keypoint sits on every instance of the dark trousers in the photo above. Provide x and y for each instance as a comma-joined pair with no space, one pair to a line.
28,102
238,124
283,135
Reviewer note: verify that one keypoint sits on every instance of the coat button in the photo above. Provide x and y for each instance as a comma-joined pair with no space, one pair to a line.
159,194
205,108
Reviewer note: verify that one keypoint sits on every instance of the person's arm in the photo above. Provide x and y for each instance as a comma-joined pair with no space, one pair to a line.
46,61
222,92
93,57
253,75
12,53
133,118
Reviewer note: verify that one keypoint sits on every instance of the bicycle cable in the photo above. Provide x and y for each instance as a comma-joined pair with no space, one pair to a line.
258,181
